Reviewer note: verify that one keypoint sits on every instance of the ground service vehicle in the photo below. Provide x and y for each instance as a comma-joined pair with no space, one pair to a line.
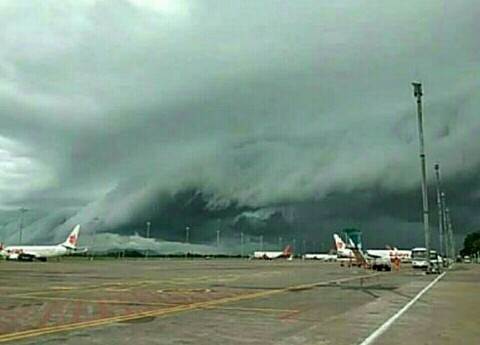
381,264
419,258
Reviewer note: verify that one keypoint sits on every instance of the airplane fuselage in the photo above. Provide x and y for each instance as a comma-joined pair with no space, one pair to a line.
345,254
320,256
403,255
269,255
33,252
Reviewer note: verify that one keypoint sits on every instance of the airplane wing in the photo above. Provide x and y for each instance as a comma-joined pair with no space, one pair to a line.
80,250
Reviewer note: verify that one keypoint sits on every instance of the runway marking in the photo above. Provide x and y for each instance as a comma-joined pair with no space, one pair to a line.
119,286
290,315
205,279
74,299
77,312
386,325
256,310
184,291
102,310
61,289
161,312
125,286
18,312
46,316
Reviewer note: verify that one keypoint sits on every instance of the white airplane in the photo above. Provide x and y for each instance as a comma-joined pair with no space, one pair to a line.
286,254
41,253
320,256
344,252
403,255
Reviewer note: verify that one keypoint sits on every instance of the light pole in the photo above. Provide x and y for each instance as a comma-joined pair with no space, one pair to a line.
261,242
4,235
280,240
187,234
418,93
93,241
450,233
241,244
447,243
148,236
22,211
439,206
93,236
218,237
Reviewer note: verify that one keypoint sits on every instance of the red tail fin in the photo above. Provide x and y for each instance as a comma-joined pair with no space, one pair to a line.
72,239
287,251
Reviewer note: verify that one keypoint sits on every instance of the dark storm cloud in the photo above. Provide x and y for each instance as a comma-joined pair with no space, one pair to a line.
110,107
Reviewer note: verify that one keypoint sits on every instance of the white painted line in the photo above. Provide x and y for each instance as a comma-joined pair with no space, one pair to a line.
379,331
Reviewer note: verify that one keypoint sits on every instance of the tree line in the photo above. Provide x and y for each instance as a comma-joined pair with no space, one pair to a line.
471,244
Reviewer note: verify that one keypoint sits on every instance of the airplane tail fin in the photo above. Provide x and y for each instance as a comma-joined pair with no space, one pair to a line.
339,244
71,241
287,251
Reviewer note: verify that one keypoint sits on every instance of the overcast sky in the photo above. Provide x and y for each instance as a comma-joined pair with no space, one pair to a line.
249,107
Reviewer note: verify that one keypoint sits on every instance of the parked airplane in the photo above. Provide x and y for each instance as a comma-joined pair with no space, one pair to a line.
322,257
344,252
286,254
41,253
403,255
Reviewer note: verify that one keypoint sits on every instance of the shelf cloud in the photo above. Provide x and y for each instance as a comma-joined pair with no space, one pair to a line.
276,119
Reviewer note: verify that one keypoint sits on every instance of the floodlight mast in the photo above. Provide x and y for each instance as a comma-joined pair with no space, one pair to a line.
148,237
451,239
418,93
440,211
445,225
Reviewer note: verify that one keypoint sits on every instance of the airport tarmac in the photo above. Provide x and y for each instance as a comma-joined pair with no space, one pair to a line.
211,302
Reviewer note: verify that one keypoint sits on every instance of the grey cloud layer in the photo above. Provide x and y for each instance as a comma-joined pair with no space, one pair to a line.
253,103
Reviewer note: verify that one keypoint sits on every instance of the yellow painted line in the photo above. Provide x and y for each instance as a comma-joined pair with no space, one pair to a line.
61,289
190,279
106,301
257,310
206,279
184,291
74,288
159,312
